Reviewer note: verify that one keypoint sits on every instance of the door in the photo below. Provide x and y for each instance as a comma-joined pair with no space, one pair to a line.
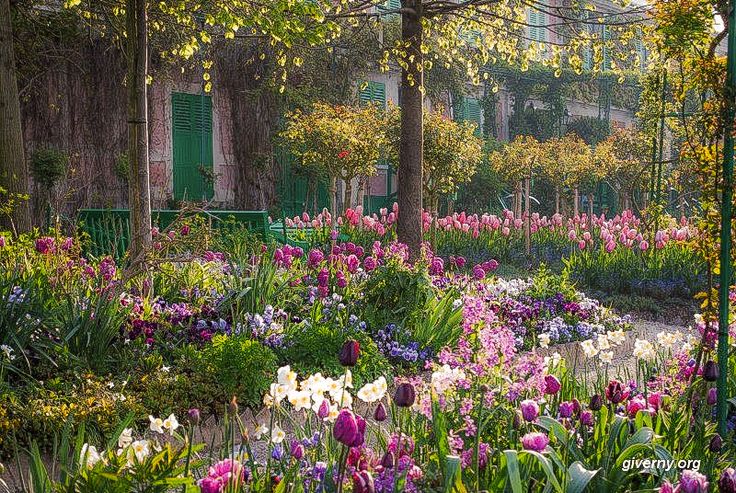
192,143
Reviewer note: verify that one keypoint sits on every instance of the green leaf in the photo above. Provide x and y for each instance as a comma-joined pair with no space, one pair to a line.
579,477
512,466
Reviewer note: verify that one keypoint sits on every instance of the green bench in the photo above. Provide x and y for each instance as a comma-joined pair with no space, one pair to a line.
109,229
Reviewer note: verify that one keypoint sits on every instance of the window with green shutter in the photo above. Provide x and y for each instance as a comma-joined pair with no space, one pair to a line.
191,116
537,22
587,53
606,35
388,6
372,92
469,110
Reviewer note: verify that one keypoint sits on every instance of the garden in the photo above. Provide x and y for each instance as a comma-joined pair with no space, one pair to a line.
367,246
243,365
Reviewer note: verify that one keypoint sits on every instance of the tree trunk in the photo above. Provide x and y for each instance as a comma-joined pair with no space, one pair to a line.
576,201
333,198
557,200
527,216
518,193
411,149
361,191
14,187
139,191
590,212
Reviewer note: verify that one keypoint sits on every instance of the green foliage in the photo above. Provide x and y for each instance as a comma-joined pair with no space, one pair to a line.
238,366
396,293
48,165
590,128
314,348
546,284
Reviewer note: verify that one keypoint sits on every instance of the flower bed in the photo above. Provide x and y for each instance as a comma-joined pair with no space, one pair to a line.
372,373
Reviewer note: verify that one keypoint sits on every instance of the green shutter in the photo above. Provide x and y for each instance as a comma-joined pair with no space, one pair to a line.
536,22
469,111
192,146
372,92
606,56
390,5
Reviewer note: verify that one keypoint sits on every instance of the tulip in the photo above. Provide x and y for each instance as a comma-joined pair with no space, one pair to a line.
535,441
712,396
566,409
297,450
363,482
345,430
586,418
727,481
596,402
194,416
551,385
404,395
529,409
666,487
716,443
692,482
349,353
388,460
380,414
616,392
710,371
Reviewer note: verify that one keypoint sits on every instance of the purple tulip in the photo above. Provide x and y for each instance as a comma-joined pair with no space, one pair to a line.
363,482
586,418
692,482
194,416
712,396
404,395
380,414
566,409
727,481
388,460
349,353
324,409
529,409
345,430
535,441
666,487
297,450
596,402
710,371
551,385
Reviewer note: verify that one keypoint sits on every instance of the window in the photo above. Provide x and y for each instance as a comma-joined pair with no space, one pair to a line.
469,111
537,21
372,92
390,5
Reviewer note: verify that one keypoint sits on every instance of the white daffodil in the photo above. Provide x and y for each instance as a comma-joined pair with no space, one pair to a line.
286,377
277,434
644,349
342,397
125,438
544,340
89,456
140,449
171,423
156,424
589,348
602,342
616,337
261,430
332,385
300,399
606,356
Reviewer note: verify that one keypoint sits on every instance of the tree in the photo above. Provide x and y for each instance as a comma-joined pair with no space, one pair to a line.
14,189
451,154
341,142
623,160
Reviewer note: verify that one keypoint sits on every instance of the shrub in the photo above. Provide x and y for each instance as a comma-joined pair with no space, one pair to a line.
236,365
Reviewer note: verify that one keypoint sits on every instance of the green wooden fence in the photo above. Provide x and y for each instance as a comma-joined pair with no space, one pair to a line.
109,229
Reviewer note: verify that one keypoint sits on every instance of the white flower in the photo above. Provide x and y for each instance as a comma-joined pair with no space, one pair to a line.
457,304
589,348
89,456
342,397
603,342
125,438
286,377
8,351
314,383
669,339
140,449
166,369
543,340
606,356
277,434
616,337
171,423
261,430
374,391
445,378
644,349
156,424
300,399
